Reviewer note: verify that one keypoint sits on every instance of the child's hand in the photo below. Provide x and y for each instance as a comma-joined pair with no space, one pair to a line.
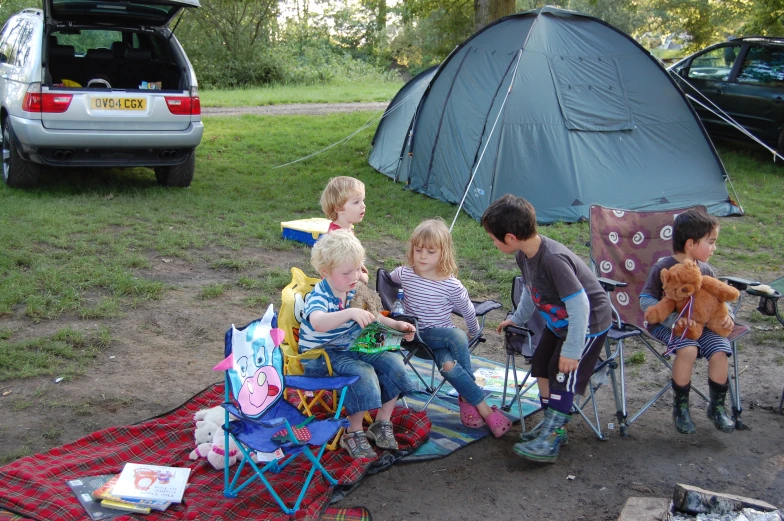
361,316
405,326
363,277
503,324
685,323
567,365
728,322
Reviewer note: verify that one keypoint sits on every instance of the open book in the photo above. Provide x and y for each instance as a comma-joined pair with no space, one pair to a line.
377,337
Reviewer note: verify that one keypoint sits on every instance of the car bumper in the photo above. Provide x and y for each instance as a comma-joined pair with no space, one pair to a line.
105,147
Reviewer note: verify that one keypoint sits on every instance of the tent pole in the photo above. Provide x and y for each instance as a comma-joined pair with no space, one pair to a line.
498,116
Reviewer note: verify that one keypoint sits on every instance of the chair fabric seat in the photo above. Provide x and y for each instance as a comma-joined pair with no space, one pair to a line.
257,434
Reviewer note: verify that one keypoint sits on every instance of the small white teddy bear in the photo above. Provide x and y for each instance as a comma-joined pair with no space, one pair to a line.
208,422
216,450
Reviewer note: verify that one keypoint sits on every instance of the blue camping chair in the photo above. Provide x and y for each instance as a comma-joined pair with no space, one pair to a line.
266,422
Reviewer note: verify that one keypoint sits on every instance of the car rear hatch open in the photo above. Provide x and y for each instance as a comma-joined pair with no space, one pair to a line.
122,102
149,13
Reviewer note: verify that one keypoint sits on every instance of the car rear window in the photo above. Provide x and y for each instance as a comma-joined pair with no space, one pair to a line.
763,66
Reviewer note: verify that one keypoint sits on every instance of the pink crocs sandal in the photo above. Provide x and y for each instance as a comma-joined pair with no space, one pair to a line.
498,423
469,415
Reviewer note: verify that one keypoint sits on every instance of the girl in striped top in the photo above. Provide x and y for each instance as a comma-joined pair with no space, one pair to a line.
432,292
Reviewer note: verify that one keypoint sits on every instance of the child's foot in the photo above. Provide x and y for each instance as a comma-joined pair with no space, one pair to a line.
381,432
498,423
357,445
469,415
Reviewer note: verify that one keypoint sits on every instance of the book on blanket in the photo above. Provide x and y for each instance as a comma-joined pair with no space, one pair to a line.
105,494
142,481
83,489
492,380
377,337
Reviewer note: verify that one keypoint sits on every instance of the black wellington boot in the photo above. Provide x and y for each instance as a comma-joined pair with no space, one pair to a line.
680,409
717,412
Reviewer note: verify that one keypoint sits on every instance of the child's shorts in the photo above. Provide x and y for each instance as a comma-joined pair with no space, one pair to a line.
544,363
707,345
382,377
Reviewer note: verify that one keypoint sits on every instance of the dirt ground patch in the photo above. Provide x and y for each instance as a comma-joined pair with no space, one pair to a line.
162,354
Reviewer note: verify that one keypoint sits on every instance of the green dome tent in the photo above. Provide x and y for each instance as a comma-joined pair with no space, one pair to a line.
560,108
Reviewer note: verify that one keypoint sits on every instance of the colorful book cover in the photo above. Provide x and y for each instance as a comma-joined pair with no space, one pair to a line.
105,492
493,380
125,507
377,337
83,489
142,481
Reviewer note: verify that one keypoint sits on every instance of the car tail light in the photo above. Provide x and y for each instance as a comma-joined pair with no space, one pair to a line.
36,101
184,105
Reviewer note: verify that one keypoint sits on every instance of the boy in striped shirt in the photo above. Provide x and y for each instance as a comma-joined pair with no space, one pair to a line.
329,323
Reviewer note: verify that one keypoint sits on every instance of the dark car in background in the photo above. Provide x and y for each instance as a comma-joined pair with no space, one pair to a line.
745,78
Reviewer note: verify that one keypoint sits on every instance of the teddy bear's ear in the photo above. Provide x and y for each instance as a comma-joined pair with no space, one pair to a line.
665,275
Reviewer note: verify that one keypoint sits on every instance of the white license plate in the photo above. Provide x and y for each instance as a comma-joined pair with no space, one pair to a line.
108,103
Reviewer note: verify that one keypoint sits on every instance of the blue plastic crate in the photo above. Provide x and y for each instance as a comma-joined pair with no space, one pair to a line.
306,231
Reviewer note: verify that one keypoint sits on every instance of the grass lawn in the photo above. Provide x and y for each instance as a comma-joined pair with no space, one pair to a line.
365,90
78,245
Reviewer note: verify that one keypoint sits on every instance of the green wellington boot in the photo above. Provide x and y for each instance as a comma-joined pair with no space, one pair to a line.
717,411
544,449
680,410
534,433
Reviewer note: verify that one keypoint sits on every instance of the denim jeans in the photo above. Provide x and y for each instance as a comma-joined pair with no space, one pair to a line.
450,344
382,377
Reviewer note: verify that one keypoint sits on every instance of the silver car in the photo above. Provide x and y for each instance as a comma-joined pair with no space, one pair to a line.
98,83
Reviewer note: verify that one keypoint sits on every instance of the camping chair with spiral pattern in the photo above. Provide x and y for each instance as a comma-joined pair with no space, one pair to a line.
624,246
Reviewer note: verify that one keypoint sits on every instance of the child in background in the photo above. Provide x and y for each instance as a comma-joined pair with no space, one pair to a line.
343,203
576,309
694,237
329,323
432,292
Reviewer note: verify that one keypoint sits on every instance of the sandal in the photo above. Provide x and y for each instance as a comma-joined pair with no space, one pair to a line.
469,415
498,423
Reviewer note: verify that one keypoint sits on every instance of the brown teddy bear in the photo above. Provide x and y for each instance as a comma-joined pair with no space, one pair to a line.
681,282
367,299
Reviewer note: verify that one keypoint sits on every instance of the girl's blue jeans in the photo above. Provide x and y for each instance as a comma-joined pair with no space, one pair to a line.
382,377
450,344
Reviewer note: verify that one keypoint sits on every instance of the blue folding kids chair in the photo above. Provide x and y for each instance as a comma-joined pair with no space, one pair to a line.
266,422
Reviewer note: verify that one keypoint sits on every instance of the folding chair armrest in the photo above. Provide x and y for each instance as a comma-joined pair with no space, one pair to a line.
518,330
484,307
316,383
739,283
610,284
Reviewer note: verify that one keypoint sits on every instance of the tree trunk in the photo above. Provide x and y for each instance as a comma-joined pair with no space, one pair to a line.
381,17
486,11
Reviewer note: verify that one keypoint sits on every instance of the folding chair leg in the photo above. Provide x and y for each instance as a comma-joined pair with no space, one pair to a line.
781,403
619,394
734,385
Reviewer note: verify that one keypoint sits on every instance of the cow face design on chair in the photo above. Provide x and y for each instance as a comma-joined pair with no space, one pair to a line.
255,366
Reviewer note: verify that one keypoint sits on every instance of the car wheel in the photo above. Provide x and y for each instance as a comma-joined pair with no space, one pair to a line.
179,175
17,172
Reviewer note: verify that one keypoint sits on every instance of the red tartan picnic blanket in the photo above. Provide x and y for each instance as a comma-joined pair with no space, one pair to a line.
34,487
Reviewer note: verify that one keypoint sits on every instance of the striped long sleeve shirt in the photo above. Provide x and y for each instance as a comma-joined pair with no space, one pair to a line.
432,301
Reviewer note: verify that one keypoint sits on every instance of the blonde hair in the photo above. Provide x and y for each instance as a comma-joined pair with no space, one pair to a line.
336,248
433,234
337,192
